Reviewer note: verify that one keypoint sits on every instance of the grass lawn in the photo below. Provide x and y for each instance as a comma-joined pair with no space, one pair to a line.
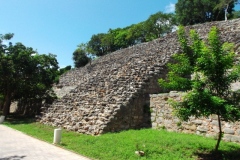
156,144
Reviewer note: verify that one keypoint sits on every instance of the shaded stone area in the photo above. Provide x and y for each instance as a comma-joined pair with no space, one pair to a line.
112,93
162,117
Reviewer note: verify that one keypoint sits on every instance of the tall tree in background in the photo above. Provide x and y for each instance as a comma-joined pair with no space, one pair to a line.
236,14
156,26
212,70
137,33
121,38
96,45
80,57
225,4
159,24
2,50
190,12
24,74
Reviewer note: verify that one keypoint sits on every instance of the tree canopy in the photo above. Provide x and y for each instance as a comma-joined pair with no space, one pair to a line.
205,72
187,12
199,11
25,74
236,14
157,25
80,57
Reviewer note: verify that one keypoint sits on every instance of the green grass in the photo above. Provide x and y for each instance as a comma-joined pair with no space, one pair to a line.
157,144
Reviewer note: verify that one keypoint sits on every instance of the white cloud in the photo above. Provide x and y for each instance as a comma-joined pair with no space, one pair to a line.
170,8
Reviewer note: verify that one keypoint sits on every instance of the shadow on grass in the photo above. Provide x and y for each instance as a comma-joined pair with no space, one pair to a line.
63,144
234,154
17,119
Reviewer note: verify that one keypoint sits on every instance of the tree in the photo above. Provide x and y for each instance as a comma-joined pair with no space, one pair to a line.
95,45
24,73
137,33
80,56
225,4
159,24
199,11
236,14
1,101
108,42
205,73
2,48
62,71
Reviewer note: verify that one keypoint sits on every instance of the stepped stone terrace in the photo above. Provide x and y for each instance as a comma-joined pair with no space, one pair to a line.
113,92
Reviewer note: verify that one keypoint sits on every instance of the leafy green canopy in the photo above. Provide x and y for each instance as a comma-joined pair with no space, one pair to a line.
205,71
80,57
190,12
24,73
154,27
158,25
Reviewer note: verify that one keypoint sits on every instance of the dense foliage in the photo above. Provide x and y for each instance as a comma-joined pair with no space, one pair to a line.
60,72
80,57
199,11
205,71
26,76
157,25
236,14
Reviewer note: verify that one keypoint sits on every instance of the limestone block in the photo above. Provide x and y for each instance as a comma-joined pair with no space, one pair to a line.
215,129
214,117
227,137
202,129
228,131
187,131
235,138
176,120
198,122
159,120
153,119
214,123
193,127
167,122
154,125
153,114
228,125
205,123
238,132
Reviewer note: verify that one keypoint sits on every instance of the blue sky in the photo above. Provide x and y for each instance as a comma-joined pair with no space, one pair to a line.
58,26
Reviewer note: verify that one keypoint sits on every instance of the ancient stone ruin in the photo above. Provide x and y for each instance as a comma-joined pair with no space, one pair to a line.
162,117
113,92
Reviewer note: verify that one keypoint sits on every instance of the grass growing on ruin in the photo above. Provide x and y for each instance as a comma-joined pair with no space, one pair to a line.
156,144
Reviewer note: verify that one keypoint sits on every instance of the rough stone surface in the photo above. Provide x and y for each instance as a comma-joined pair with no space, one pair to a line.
228,131
202,126
112,93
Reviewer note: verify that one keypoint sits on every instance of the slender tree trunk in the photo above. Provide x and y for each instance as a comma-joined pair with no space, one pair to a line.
6,104
225,10
1,106
220,133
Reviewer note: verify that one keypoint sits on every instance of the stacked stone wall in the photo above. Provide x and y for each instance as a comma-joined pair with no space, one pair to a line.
112,93
162,116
